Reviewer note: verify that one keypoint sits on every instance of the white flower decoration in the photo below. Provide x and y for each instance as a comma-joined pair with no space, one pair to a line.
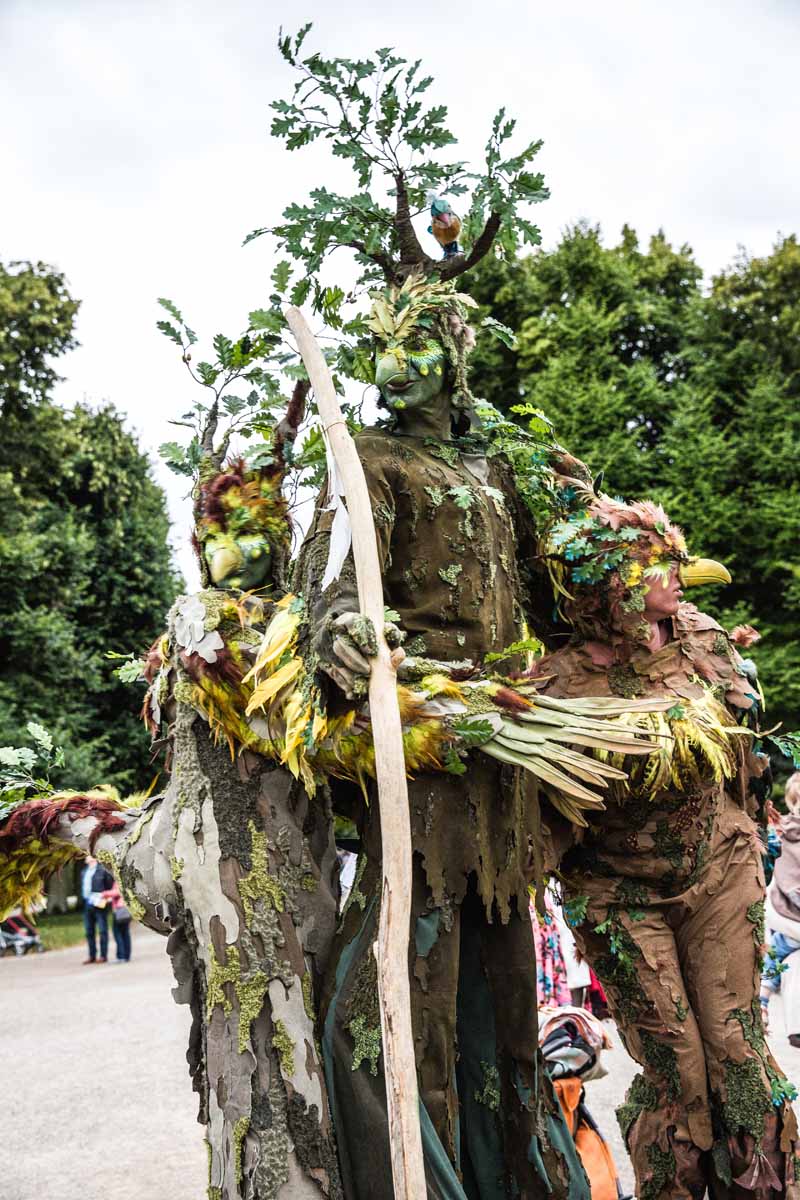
190,630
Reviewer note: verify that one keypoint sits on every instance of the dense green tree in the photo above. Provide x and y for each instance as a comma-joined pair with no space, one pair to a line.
733,449
599,339
83,555
37,322
684,395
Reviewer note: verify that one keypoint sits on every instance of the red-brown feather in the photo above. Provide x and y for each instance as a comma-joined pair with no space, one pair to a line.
35,819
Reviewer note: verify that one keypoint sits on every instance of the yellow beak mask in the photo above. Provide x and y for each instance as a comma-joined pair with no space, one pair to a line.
703,570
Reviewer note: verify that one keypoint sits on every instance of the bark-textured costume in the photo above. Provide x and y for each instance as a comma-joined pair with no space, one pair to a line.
450,531
666,886
252,909
233,861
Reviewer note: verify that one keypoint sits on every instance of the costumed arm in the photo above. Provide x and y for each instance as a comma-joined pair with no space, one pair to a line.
566,477
340,640
754,777
43,834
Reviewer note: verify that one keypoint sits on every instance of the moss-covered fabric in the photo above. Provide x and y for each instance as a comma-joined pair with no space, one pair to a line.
668,885
451,537
491,1125
455,546
238,864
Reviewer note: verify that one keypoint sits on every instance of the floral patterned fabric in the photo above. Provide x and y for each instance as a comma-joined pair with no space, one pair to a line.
551,973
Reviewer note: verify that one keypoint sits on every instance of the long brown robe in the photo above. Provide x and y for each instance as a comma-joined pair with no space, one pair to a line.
451,535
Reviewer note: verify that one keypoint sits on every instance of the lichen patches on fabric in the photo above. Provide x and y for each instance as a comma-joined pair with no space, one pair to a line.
239,1134
489,1095
366,1043
260,883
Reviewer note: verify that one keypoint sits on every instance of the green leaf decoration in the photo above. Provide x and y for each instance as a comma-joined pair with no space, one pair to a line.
171,332
575,910
500,331
474,732
463,496
130,671
789,746
41,736
17,757
525,646
453,764
281,275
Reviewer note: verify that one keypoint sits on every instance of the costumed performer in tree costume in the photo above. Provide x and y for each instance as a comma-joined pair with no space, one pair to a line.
452,533
233,860
665,888
257,965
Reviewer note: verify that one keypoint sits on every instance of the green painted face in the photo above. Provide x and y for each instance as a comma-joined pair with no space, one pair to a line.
411,375
241,564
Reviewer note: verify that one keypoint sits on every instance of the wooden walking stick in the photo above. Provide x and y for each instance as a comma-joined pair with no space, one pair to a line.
405,1140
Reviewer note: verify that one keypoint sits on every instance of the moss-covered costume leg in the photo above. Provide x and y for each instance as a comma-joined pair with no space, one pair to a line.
473,999
710,1109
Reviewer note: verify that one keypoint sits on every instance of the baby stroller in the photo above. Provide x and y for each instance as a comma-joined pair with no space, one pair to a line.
572,1041
18,936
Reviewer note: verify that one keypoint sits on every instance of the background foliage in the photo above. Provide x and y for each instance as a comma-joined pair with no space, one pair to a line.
685,394
84,557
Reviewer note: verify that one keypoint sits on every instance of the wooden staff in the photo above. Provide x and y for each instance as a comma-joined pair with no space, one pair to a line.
400,1072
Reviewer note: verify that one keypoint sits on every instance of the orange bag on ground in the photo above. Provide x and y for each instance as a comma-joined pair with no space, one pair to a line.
595,1154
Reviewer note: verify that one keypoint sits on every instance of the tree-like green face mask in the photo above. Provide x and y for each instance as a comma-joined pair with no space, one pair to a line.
244,563
410,374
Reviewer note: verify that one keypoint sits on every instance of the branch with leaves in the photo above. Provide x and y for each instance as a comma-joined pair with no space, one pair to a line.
373,113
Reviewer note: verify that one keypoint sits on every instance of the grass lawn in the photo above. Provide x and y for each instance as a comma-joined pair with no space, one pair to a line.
61,930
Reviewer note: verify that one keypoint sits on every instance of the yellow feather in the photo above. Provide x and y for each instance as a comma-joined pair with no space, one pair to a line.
273,684
442,685
278,637
296,714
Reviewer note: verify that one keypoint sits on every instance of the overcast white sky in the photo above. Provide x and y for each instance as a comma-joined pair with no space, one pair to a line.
136,156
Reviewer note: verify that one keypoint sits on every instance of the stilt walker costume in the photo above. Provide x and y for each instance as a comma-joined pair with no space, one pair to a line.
451,534
665,887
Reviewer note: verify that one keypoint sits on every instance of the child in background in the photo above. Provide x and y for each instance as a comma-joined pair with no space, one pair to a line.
122,922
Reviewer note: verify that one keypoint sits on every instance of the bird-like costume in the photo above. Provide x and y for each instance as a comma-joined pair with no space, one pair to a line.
445,224
666,887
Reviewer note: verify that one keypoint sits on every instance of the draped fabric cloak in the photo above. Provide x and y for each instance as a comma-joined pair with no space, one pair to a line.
451,536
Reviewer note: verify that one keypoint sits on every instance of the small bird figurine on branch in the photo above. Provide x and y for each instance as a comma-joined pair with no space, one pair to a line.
445,224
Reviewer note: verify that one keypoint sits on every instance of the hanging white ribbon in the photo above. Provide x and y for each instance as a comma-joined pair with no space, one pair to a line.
341,532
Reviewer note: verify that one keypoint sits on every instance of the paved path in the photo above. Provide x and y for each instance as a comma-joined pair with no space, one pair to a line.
97,1099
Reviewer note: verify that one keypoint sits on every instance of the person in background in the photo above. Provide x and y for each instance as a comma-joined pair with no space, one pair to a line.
95,880
579,973
551,971
771,837
121,922
783,919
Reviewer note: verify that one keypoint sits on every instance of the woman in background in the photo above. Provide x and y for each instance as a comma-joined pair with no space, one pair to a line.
552,987
782,966
122,922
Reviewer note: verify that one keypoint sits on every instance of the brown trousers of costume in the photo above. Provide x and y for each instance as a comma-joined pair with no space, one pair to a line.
682,976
